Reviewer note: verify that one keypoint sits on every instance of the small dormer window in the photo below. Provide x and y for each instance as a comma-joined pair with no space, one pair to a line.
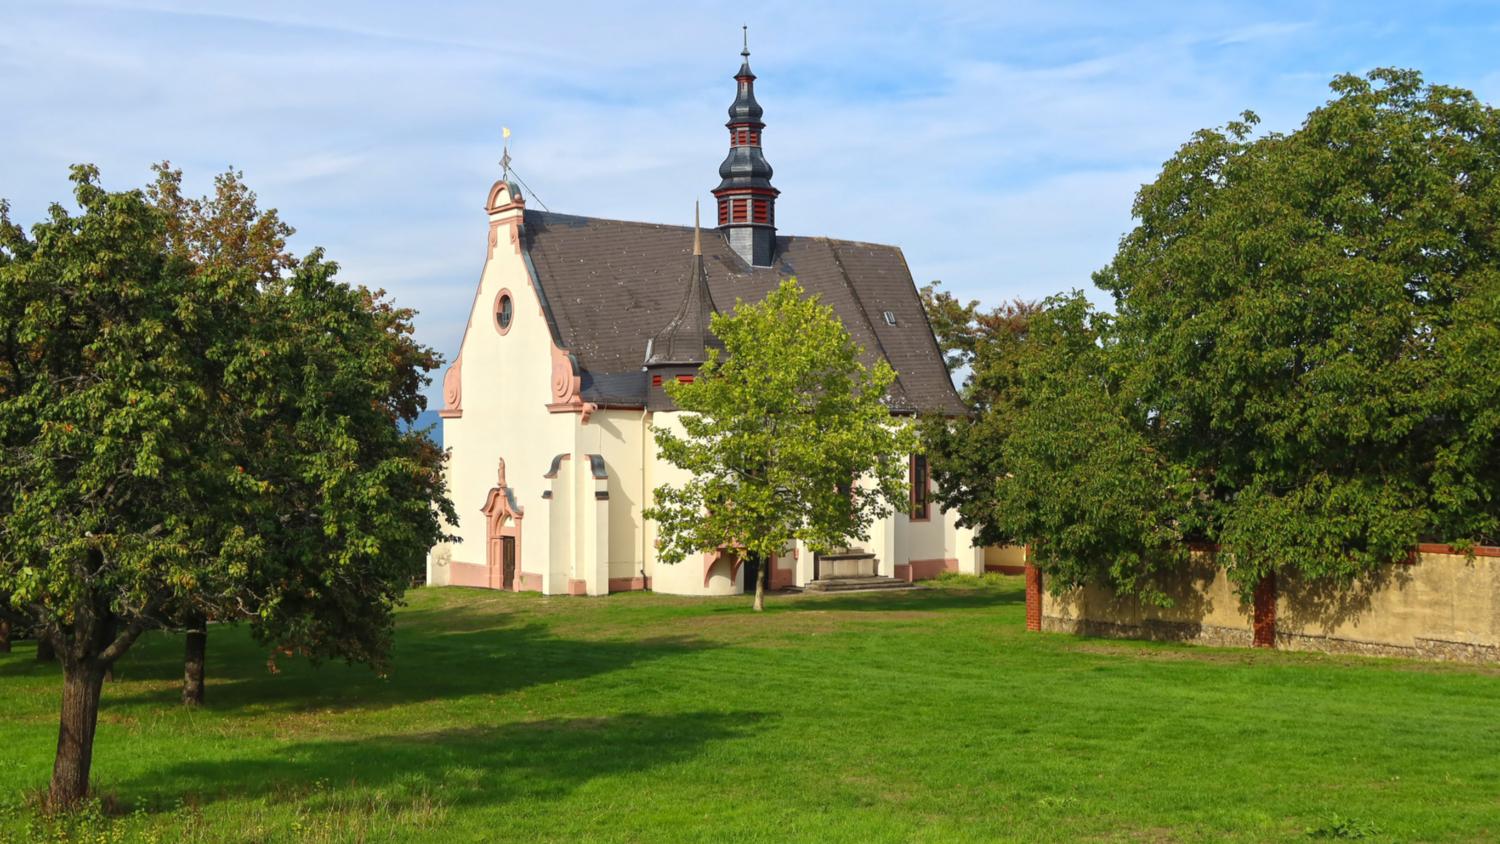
890,317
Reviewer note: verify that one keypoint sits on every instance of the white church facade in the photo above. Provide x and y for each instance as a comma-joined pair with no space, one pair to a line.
577,323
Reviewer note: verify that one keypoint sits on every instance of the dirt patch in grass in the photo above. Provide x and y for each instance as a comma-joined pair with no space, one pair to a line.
770,629
1182,653
1249,656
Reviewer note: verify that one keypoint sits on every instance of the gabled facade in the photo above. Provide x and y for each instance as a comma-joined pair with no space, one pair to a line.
577,324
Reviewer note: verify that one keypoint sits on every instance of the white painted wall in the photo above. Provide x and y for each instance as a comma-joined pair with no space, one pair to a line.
506,385
575,536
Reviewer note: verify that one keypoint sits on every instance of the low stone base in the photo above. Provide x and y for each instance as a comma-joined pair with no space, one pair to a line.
1152,631
1200,634
848,565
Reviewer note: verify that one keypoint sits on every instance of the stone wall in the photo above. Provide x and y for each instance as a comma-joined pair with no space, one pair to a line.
1442,605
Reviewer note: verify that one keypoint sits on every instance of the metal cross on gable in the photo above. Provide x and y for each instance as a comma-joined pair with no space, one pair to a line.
505,154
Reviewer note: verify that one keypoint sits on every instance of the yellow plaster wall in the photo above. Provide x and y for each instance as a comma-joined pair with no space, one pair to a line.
1005,555
506,385
619,436
1445,599
1444,606
686,577
1201,596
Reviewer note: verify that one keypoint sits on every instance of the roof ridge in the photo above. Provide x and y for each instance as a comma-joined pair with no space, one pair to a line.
690,228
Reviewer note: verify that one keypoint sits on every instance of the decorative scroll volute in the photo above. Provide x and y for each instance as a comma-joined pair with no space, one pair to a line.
453,391
567,384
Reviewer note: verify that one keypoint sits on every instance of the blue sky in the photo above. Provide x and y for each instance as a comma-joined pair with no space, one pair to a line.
998,143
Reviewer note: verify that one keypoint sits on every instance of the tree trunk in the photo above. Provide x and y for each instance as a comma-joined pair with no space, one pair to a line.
4,637
192,661
760,586
44,650
82,685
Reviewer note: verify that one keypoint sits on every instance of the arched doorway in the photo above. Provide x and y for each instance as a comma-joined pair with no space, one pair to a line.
502,518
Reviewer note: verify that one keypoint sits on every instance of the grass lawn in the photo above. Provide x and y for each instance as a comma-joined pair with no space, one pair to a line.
920,716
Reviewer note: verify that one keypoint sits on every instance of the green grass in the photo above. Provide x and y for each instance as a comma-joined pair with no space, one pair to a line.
921,716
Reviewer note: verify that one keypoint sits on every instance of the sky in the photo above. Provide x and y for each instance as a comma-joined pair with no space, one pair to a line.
999,144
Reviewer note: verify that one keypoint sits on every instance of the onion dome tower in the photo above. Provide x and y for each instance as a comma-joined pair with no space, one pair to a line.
747,202
676,351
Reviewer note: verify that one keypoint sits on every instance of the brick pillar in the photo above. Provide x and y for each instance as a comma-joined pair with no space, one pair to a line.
1265,612
1033,596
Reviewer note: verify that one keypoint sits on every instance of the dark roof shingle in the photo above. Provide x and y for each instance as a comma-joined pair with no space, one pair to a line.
611,285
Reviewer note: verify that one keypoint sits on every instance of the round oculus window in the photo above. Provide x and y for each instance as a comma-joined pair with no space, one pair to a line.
504,310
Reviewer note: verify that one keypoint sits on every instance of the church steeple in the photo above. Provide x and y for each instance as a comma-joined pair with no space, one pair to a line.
747,202
682,345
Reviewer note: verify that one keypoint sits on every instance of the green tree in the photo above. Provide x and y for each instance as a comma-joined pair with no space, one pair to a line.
181,434
1303,360
988,347
224,233
774,431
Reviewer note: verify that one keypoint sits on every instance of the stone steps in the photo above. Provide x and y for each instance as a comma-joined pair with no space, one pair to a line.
856,584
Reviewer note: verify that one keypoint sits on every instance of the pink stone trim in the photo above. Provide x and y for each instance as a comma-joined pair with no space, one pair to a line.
567,386
1033,595
629,584
1004,569
469,574
712,557
928,569
781,578
577,587
567,382
1438,548
501,520
528,582
512,199
453,390
504,198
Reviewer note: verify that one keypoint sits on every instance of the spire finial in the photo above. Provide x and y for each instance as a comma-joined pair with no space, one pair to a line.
697,233
505,156
745,30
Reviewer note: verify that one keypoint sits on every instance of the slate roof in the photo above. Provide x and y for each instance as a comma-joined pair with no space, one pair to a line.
611,285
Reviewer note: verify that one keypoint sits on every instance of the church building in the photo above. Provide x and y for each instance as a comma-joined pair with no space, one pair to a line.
577,324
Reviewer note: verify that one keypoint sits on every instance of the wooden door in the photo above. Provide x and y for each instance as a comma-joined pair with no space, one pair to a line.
508,562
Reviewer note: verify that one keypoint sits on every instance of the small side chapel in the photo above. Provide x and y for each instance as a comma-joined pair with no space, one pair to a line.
576,325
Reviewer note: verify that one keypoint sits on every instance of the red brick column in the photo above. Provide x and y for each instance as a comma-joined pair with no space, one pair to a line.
1033,595
1265,612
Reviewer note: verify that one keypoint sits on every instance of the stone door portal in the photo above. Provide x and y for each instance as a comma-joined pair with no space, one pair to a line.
503,532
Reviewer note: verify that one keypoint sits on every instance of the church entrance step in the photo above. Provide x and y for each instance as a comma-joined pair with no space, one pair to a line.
856,584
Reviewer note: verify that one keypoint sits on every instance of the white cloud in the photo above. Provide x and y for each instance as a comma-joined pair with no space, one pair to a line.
998,144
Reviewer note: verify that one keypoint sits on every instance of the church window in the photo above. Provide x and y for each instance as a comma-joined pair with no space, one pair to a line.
921,506
684,379
656,380
504,311
762,211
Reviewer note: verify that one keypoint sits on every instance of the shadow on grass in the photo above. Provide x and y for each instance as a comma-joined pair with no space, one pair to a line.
487,654
924,599
21,662
533,760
